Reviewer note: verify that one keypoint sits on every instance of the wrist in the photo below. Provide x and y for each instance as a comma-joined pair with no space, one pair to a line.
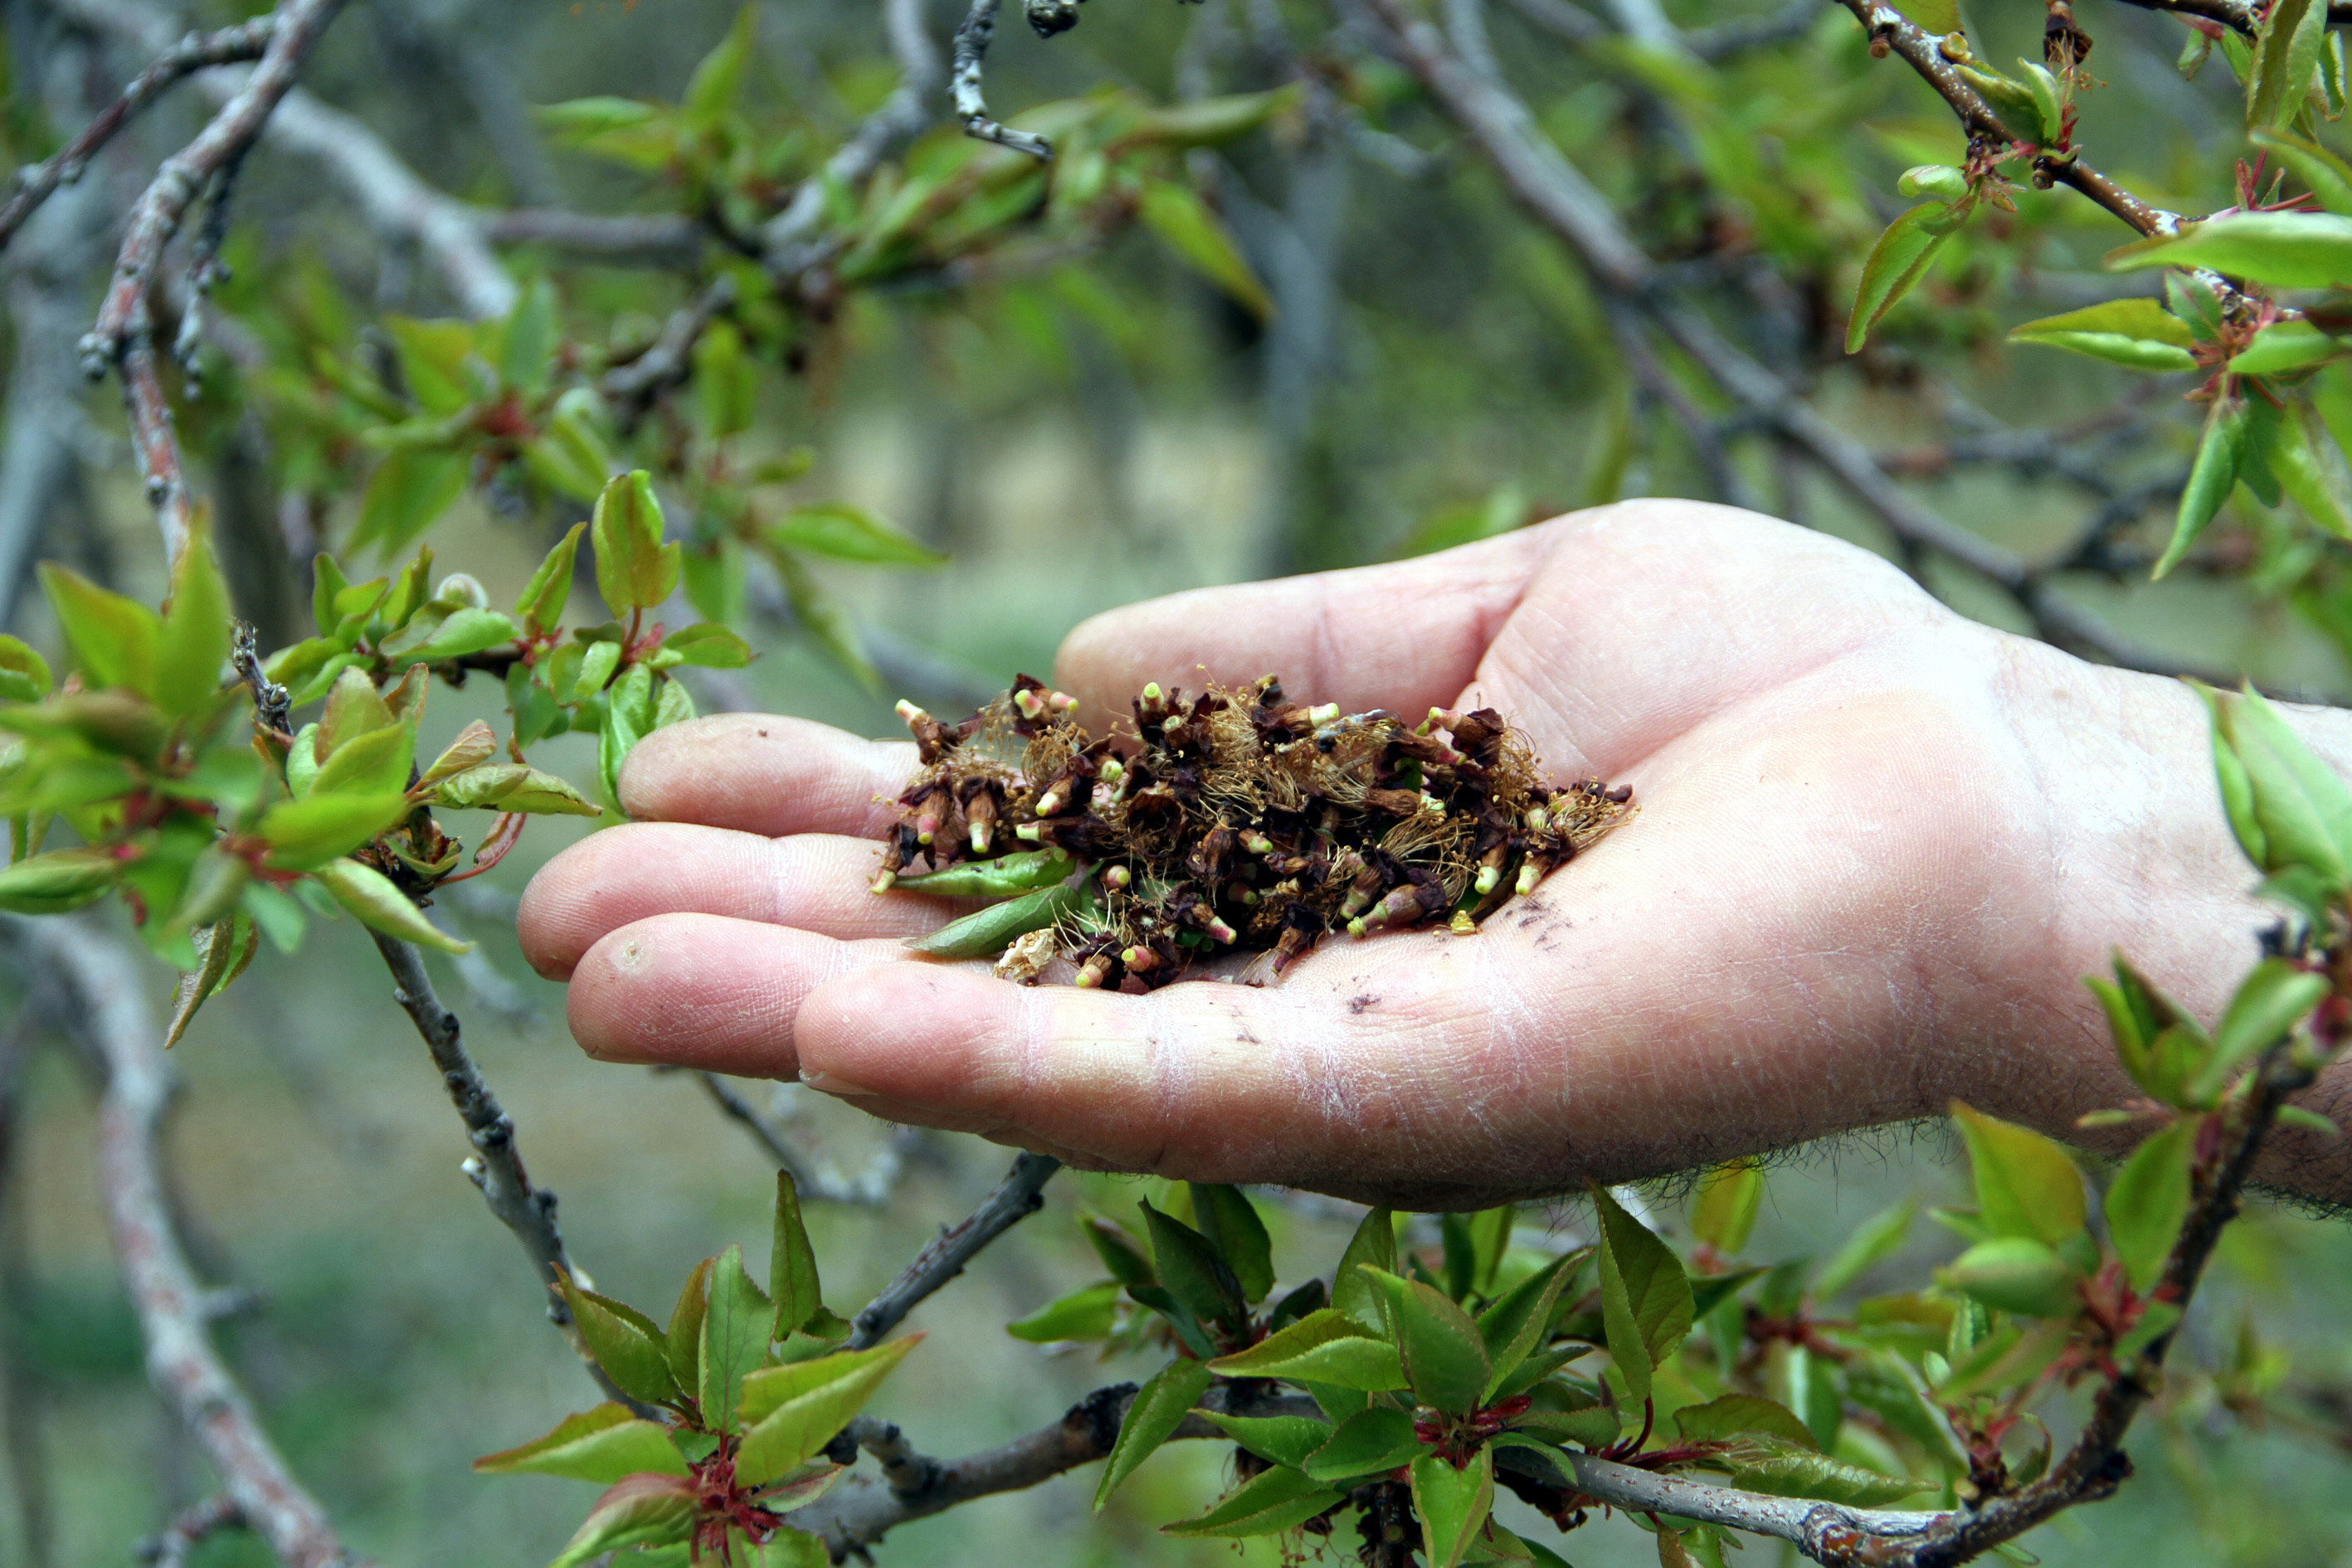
2141,862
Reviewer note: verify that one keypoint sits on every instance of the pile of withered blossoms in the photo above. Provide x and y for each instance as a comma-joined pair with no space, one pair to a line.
1237,820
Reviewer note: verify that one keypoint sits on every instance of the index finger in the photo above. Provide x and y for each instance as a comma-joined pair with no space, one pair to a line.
757,773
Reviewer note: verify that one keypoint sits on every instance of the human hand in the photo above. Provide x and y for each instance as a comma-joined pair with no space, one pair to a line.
1879,847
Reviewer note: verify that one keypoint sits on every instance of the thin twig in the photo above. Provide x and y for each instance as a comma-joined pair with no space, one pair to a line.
230,46
496,1167
870,1186
1543,181
1015,1199
115,1019
652,240
171,1546
631,388
971,42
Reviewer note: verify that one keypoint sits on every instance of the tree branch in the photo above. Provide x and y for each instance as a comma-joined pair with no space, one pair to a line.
496,1167
971,42
1015,1199
902,117
194,53
1922,51
115,1019
397,202
860,1512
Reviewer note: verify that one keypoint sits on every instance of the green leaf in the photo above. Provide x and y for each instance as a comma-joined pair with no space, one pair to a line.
1266,1504
1194,1272
601,1445
2287,60
1373,1245
2285,345
2196,303
305,835
726,382
640,1511
1735,1414
354,708
1370,1442
2272,998
2149,1199
530,337
433,356
2026,1184
1329,1346
23,673
1121,1254
735,1326
985,932
2287,249
2221,457
1895,262
634,570
541,604
2049,102
996,879
1211,121
1520,1319
792,1411
1454,1504
1176,213
406,494
192,650
2328,175
1278,1440
709,647
633,1353
1645,1297
1942,181
1874,1241
1232,1225
114,640
57,881
2139,335
1725,1210
1189,1330
718,77
840,532
1444,1357
1793,1472
430,639
2302,811
1158,1408
2017,1274
683,1339
2290,443
375,763
792,1280
1086,1313
371,896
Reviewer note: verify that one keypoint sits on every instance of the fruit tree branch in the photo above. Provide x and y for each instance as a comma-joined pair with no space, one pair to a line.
1015,1199
496,1167
110,996
196,52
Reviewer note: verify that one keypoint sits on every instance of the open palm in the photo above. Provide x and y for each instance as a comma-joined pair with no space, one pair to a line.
1877,847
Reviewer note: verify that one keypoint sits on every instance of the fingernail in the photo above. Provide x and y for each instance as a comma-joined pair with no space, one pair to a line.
835,1084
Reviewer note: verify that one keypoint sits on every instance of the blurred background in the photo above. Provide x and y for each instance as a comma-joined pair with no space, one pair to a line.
1072,433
